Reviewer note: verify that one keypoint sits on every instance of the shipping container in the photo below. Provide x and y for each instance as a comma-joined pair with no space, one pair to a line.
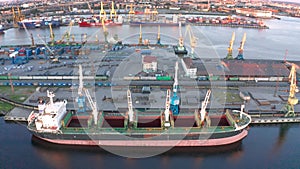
39,77
54,77
3,77
163,78
25,77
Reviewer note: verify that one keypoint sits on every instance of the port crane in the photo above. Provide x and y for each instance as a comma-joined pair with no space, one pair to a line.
288,109
67,34
180,48
167,110
102,11
240,55
131,11
89,6
158,36
17,18
229,49
175,100
105,32
113,11
203,107
52,41
193,40
140,37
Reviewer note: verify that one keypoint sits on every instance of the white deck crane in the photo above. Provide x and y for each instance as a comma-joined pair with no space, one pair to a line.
167,110
130,108
203,106
175,100
229,49
240,55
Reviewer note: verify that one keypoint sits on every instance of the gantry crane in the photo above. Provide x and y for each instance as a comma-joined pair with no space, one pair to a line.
193,40
240,55
203,107
102,11
140,37
175,100
113,11
229,49
167,110
292,100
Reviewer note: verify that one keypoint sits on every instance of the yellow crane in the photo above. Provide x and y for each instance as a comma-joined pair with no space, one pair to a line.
229,49
67,34
20,16
292,100
131,11
240,55
113,11
105,32
51,35
193,40
102,11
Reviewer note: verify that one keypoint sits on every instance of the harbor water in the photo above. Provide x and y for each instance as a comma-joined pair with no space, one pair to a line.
266,146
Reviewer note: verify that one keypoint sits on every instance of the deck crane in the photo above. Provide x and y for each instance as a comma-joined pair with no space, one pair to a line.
193,40
89,6
158,36
292,100
131,117
203,107
175,100
102,11
113,11
229,49
241,48
140,37
180,48
81,99
167,110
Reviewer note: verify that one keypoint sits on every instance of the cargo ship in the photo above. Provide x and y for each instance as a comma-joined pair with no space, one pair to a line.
149,128
96,21
39,23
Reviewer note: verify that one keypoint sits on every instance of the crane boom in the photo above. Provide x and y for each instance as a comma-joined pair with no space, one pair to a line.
102,11
241,48
113,11
51,34
90,8
167,109
93,105
80,87
204,105
193,39
45,44
130,109
243,42
229,49
175,85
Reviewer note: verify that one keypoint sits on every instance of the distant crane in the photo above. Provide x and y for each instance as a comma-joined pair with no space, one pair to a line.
140,37
167,110
229,49
102,12
292,100
131,11
180,48
158,36
52,41
105,32
67,34
29,35
203,107
89,6
175,100
113,11
193,40
240,55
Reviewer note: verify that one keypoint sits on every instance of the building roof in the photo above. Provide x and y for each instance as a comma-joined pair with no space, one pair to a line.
149,59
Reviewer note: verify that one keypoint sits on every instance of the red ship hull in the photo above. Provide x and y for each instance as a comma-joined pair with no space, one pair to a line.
88,24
